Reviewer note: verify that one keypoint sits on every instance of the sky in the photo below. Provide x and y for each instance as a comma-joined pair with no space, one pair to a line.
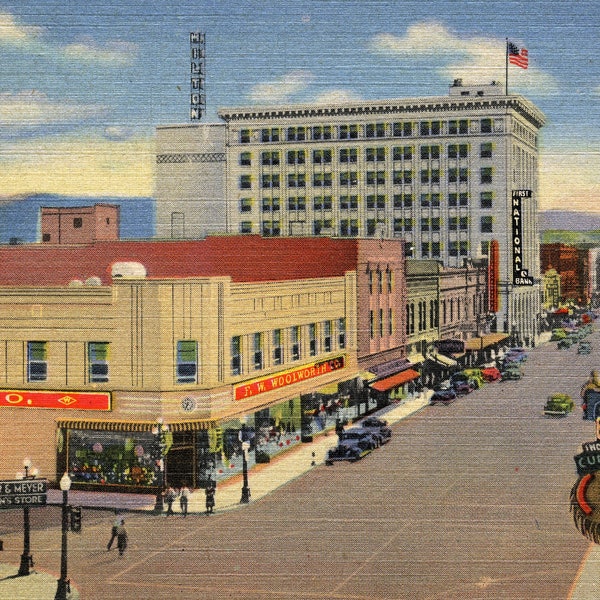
84,84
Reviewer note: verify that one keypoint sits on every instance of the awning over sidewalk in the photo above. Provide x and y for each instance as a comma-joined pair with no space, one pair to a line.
443,360
489,339
133,425
383,385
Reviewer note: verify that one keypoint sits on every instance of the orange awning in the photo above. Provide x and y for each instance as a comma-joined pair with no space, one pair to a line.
395,380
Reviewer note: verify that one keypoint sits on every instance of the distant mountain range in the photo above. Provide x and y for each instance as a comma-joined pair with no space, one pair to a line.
19,217
569,220
20,222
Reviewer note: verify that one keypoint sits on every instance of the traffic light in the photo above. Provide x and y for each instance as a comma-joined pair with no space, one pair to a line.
75,514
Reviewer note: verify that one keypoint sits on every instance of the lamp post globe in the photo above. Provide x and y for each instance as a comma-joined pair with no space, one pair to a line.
63,588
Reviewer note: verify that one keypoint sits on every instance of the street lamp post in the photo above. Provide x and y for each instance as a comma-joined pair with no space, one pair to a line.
245,489
159,431
64,586
26,558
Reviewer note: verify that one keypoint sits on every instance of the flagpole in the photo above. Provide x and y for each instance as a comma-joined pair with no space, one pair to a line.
506,67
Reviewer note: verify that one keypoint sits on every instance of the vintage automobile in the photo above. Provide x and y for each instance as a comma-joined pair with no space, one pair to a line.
558,405
558,334
462,388
346,451
379,427
458,381
511,371
565,343
445,396
515,355
491,374
355,435
475,377
584,348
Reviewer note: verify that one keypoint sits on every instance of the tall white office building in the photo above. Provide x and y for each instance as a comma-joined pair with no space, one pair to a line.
455,176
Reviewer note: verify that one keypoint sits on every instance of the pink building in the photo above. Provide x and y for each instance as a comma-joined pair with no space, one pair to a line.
80,224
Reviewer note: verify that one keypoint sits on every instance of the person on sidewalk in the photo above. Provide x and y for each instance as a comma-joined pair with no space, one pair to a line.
184,494
115,527
210,497
121,537
170,496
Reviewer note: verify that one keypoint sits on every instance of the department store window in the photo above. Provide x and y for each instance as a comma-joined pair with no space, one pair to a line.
295,342
322,179
375,177
270,180
428,152
245,159
486,175
348,155
297,203
245,205
375,226
375,154
436,248
246,227
270,204
456,127
296,134
187,361
342,332
486,125
349,202
322,157
245,135
98,361
322,132
458,150
245,182
320,224
312,339
348,132
485,150
322,202
486,199
257,344
37,365
270,158
277,349
296,180
270,135
403,200
349,178
296,157
486,224
376,201
326,336
402,153
402,129
375,130
271,228
348,227
236,355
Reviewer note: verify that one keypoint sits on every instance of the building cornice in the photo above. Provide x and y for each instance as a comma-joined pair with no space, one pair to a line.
388,107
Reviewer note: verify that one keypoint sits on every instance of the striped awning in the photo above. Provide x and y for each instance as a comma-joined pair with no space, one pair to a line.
138,426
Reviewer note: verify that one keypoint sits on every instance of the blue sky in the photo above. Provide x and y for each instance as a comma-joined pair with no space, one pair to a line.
84,84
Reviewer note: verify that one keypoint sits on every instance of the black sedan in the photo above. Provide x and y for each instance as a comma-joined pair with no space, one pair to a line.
443,397
379,427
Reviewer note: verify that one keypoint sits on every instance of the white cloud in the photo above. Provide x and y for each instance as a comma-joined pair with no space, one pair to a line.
31,108
282,89
13,33
472,59
116,53
337,97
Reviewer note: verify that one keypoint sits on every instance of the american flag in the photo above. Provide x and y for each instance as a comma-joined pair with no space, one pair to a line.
518,56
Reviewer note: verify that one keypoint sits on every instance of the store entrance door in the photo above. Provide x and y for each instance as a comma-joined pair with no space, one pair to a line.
180,461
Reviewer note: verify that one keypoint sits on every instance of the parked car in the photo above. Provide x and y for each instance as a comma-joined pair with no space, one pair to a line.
584,348
355,435
565,343
347,451
461,379
515,355
475,377
462,388
558,405
446,396
491,374
378,426
558,334
511,371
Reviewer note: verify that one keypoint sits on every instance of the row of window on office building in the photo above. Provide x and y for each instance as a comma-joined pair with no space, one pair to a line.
378,154
367,130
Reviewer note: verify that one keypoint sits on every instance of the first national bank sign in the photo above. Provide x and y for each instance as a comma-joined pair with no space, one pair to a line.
520,273
285,378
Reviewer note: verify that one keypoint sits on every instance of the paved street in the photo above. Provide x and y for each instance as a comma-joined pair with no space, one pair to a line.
468,501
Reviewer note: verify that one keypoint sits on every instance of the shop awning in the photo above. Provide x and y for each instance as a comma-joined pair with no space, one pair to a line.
395,380
132,425
489,339
446,361
367,375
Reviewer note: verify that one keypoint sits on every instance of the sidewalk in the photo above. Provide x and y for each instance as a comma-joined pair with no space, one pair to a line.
35,586
262,479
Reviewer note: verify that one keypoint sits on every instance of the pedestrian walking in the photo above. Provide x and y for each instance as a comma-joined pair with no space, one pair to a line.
170,496
210,498
339,429
121,537
115,526
184,494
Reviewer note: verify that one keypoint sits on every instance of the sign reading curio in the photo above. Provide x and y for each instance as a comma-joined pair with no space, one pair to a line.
279,380
585,494
61,400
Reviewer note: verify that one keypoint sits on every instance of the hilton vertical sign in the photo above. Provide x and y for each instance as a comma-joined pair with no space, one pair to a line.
520,273
197,70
